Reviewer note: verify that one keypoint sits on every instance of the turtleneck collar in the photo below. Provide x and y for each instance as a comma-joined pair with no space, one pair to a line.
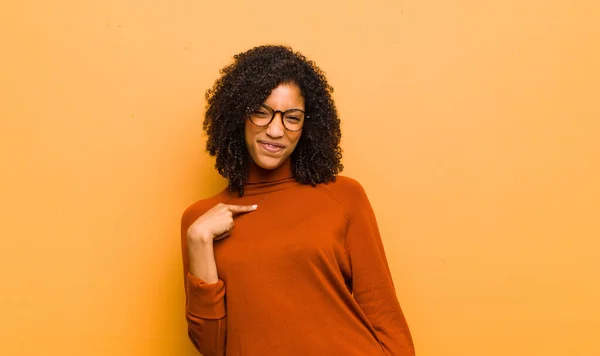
262,180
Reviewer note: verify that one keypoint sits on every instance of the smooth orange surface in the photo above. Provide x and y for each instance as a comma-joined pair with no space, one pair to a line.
483,115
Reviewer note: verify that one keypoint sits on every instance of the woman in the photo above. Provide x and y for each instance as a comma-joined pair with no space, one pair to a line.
288,259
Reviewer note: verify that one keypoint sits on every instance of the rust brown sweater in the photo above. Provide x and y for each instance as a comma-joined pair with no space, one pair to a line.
304,274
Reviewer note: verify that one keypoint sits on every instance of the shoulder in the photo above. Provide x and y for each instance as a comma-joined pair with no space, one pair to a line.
200,207
348,191
345,185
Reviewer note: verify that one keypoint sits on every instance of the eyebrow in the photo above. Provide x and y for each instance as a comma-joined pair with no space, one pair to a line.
268,107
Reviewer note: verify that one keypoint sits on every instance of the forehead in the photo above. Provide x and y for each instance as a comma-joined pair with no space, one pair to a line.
285,96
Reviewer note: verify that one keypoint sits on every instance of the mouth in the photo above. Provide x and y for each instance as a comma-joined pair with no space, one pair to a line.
271,147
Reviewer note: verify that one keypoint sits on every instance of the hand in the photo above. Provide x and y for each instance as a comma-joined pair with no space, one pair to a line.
216,224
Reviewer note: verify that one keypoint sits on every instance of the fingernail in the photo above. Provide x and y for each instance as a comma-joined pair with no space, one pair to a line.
254,206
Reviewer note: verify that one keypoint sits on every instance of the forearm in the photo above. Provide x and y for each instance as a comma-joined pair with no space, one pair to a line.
202,260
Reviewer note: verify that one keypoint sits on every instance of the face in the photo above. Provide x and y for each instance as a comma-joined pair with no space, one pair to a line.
271,145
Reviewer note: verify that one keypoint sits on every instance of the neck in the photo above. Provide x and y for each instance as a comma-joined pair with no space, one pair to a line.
257,174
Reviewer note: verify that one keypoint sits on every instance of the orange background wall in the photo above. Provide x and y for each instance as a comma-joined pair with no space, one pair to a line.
473,125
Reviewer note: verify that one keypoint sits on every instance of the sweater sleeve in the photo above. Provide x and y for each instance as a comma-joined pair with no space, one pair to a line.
373,288
205,306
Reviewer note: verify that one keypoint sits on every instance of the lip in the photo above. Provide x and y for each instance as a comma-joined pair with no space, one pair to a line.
271,147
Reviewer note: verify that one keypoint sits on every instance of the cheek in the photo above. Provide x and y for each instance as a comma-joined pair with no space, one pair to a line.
294,137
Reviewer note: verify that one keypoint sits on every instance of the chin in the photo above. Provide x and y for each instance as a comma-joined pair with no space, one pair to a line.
269,162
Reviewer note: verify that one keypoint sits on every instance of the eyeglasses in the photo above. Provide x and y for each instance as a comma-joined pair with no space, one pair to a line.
292,119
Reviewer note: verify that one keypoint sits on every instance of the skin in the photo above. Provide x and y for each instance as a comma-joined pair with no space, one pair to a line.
268,147
284,97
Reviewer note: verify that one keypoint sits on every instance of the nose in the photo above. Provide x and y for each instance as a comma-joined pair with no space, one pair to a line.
275,128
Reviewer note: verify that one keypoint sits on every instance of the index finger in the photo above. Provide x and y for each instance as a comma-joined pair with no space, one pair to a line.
239,209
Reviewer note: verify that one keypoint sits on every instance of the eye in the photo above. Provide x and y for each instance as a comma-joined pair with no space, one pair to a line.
260,112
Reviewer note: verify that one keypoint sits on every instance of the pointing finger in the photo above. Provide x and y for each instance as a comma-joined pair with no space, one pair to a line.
239,209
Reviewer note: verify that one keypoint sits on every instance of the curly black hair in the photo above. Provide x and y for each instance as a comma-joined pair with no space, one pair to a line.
243,86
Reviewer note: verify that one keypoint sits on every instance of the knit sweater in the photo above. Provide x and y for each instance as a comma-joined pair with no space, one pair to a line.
304,274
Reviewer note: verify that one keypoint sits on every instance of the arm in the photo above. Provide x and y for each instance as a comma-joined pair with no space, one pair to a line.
373,288
205,302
